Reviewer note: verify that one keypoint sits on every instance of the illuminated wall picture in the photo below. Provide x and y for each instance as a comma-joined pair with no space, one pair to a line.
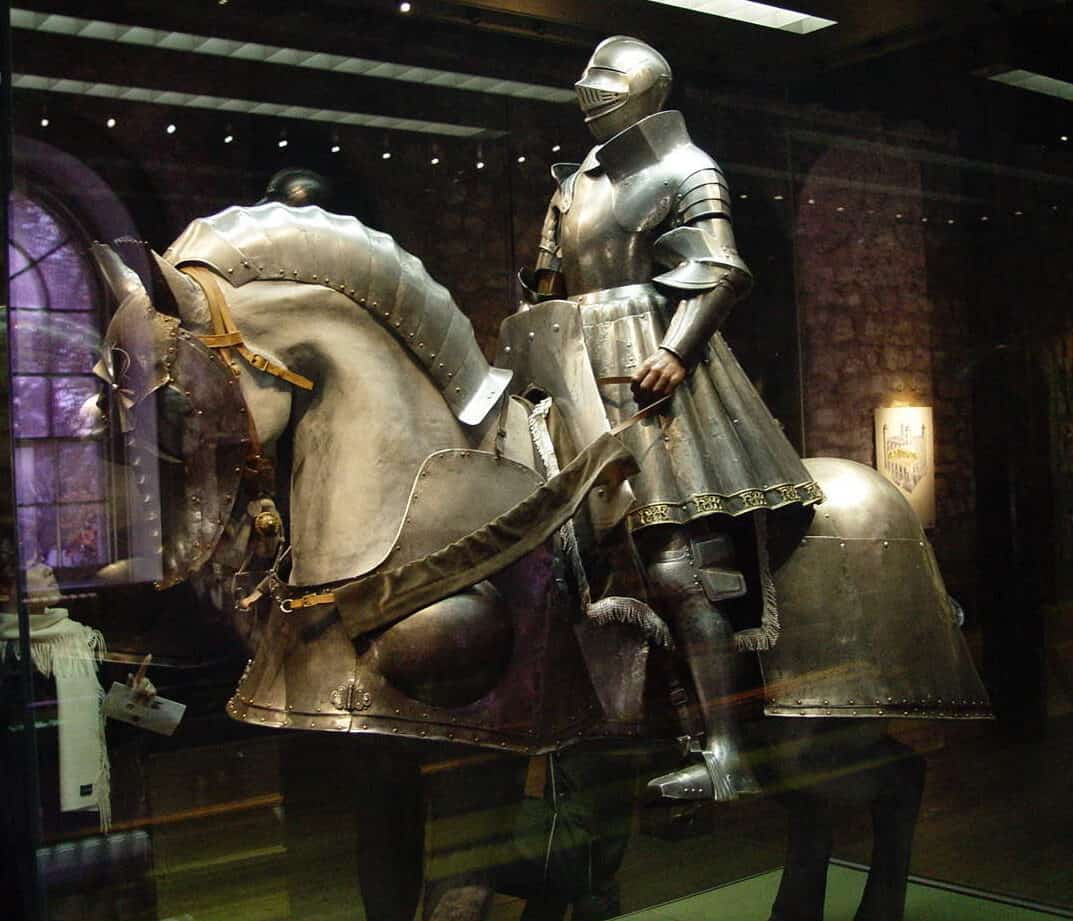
905,455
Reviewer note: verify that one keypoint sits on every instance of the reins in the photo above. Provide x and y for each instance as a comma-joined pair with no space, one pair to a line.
378,599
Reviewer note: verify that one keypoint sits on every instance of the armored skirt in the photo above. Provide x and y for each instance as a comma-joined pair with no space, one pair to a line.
717,449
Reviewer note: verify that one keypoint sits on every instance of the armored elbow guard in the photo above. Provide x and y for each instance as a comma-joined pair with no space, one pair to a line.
698,260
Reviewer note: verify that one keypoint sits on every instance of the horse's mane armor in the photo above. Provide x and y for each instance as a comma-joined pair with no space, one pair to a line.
275,242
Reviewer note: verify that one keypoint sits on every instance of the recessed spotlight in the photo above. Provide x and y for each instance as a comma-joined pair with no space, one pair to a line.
405,7
1018,213
110,123
950,220
480,164
778,198
840,209
281,143
985,218
386,155
1064,137
228,138
521,159
812,201
557,148
898,216
44,121
435,161
170,129
923,220
336,148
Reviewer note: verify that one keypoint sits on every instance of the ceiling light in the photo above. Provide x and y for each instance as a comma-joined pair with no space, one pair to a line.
1036,83
405,7
778,198
275,54
335,148
228,138
244,106
1064,137
281,143
435,161
110,123
44,121
170,129
521,159
557,148
480,164
757,14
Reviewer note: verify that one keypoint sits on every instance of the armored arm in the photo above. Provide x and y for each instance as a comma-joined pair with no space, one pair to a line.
704,268
544,280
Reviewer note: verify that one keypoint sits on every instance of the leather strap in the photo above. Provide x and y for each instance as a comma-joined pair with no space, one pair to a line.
226,335
644,411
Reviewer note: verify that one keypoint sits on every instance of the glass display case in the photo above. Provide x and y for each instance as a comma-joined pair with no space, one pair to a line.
312,610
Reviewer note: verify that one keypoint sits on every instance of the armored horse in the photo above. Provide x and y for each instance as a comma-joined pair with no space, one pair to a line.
427,599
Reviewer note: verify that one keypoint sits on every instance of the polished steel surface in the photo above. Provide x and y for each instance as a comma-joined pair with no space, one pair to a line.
198,413
868,628
275,242
624,81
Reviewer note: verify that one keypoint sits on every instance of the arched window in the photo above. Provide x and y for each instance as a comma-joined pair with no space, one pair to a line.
70,514
60,483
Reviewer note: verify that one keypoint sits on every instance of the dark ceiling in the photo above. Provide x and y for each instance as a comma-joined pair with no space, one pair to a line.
913,58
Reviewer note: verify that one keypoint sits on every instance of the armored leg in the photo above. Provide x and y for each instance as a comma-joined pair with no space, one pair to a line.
688,579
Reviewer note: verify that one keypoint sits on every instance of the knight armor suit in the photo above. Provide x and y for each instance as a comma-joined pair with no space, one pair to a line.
639,237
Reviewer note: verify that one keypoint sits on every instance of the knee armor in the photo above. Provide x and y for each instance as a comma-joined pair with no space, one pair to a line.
698,566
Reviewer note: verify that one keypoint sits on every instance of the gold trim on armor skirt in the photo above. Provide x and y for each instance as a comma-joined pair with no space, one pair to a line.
716,450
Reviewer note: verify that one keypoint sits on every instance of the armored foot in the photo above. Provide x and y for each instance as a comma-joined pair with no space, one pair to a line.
722,779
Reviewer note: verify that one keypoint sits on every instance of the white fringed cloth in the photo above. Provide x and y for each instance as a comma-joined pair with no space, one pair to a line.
69,653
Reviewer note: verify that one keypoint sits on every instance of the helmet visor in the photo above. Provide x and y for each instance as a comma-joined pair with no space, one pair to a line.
601,90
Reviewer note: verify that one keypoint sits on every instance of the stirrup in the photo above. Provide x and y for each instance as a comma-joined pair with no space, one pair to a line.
708,780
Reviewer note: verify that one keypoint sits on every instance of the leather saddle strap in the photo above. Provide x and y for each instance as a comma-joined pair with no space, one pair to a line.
226,335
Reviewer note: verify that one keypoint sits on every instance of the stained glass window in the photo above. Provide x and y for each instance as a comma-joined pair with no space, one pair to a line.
60,483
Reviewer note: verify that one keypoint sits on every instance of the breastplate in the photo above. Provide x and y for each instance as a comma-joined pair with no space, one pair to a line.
597,252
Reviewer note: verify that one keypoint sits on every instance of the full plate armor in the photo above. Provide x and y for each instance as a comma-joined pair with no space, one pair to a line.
639,238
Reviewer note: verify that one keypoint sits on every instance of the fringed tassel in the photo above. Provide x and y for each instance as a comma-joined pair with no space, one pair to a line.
759,639
538,429
614,609
617,609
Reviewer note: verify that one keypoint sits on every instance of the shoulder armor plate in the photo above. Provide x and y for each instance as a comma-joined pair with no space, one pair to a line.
275,242
647,165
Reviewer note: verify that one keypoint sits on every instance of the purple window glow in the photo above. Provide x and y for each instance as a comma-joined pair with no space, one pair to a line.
60,482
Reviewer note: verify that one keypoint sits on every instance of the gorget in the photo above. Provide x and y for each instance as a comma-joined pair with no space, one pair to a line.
622,193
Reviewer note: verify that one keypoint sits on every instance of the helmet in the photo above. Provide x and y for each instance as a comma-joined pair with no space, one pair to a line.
297,187
624,81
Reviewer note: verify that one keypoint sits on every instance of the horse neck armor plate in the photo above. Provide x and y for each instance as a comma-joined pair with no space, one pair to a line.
275,242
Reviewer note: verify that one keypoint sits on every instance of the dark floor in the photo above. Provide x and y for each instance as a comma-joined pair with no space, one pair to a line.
996,817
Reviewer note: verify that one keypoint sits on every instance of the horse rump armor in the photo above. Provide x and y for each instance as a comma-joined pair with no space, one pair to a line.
868,629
